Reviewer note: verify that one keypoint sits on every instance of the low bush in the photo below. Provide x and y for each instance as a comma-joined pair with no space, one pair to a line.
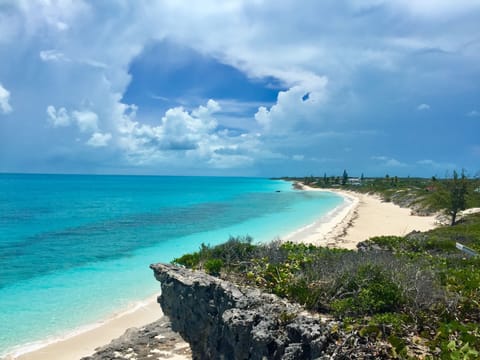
369,291
213,266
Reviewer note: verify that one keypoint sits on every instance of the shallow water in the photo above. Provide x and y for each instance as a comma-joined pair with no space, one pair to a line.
75,249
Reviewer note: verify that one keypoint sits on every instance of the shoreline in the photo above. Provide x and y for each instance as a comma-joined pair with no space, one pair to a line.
359,217
325,226
84,340
364,217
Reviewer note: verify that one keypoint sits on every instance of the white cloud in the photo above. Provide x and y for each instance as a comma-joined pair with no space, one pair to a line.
58,117
192,137
473,113
53,55
436,8
423,107
99,139
387,161
395,163
5,106
296,106
44,15
87,121
282,41
423,8
436,164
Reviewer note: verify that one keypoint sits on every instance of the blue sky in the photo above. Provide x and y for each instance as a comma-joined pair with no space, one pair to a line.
250,88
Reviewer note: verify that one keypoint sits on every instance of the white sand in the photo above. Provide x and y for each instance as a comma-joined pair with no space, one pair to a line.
359,218
84,343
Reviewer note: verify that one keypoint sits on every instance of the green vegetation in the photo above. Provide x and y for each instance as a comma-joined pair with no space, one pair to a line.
452,195
411,292
424,196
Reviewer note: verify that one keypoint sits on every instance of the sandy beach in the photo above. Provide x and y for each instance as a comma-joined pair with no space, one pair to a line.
84,342
359,218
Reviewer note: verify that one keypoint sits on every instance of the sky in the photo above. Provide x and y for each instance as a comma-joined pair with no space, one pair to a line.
240,88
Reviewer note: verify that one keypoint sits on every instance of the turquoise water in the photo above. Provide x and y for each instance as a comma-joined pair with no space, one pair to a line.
74,249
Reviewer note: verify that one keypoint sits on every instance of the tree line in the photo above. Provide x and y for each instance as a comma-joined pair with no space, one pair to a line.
451,194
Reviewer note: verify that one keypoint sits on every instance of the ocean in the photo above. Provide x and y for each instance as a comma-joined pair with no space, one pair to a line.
74,249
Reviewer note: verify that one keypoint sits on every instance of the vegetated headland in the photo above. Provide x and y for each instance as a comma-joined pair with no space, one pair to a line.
412,296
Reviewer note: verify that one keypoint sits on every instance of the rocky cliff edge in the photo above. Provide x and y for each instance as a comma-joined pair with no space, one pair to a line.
223,321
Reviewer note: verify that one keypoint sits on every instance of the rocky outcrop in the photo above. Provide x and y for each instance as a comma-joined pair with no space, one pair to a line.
223,321
154,341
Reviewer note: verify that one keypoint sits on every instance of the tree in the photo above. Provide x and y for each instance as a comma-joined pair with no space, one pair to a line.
453,195
344,177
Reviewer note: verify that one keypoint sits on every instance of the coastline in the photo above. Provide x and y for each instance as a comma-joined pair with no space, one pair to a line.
364,216
324,230
82,342
357,219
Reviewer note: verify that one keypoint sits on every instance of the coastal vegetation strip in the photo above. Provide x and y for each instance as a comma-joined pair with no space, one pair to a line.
417,293
425,196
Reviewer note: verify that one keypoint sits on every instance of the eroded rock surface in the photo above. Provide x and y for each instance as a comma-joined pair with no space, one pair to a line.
223,321
152,342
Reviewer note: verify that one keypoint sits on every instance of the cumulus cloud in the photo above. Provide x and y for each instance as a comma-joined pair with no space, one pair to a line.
87,121
5,106
281,41
99,139
473,113
423,107
191,136
298,105
58,117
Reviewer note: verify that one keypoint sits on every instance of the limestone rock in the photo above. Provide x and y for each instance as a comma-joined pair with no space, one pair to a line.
154,341
223,321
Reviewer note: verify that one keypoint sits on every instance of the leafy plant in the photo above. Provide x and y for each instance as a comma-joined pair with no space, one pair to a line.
369,291
213,266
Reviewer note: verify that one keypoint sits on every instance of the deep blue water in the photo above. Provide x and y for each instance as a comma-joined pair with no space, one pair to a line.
76,248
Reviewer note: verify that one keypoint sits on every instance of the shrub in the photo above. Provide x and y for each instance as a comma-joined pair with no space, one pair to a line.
233,251
188,260
213,266
368,292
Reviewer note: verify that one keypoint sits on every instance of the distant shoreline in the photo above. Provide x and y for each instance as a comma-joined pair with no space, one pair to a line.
365,216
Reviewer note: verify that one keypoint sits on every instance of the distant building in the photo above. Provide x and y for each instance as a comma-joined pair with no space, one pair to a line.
354,181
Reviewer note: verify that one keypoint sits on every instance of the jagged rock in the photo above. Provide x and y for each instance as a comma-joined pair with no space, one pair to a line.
223,321
154,341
